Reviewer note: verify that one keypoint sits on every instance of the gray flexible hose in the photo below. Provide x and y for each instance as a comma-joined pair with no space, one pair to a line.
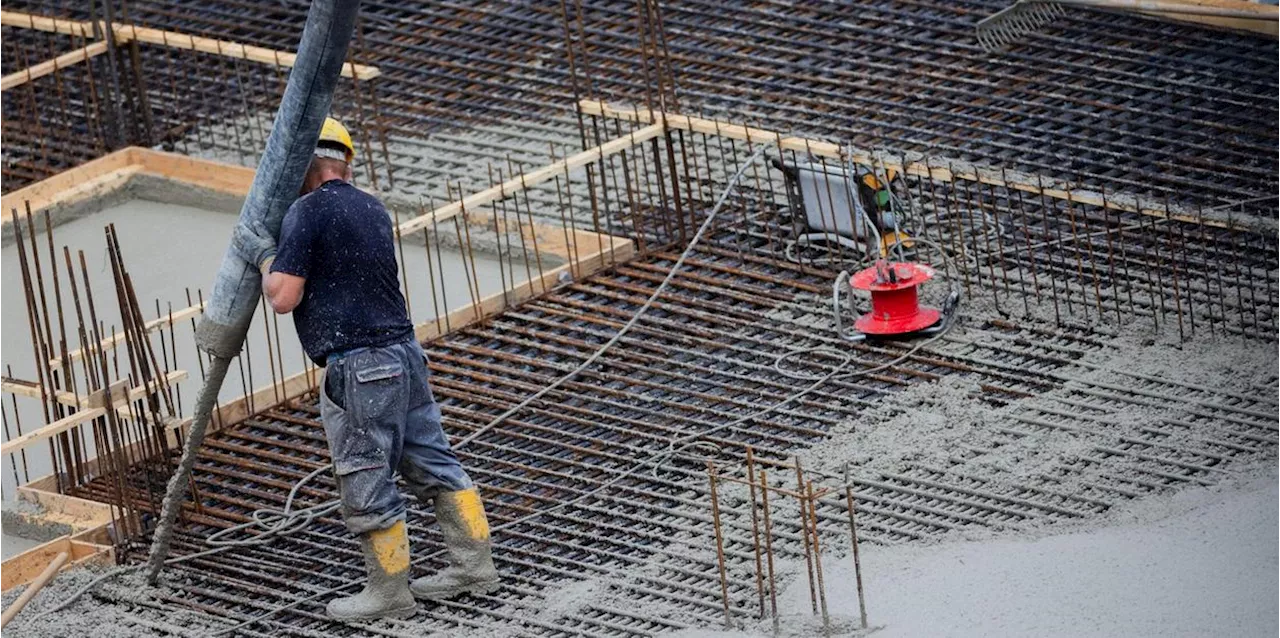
238,285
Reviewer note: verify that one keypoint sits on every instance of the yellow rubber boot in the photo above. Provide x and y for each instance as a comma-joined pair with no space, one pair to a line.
466,538
386,595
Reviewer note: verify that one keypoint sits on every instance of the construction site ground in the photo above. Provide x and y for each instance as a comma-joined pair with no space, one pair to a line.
1198,563
1090,450
943,461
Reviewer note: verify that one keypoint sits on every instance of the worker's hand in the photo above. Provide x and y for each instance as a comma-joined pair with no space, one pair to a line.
254,243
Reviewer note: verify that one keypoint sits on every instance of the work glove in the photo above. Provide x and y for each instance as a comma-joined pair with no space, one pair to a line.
254,244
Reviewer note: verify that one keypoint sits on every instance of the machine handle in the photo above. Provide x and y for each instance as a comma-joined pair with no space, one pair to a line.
844,278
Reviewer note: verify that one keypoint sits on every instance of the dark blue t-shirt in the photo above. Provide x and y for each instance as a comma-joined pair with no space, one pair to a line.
339,239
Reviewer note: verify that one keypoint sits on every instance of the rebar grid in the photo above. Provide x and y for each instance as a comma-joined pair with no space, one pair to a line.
1051,274
704,357
1191,118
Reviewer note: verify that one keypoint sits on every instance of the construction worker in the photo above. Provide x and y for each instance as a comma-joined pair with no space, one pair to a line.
335,270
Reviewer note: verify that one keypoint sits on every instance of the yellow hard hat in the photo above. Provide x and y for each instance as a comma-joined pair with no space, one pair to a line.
335,133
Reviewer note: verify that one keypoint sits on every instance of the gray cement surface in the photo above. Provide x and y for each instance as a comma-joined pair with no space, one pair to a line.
926,423
24,527
1201,562
116,609
963,586
14,544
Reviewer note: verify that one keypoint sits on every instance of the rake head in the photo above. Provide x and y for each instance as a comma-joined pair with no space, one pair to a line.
1016,21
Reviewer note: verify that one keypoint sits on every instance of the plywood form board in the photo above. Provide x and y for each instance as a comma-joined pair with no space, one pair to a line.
77,513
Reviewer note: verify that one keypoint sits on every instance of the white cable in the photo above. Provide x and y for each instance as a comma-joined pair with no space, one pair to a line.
622,332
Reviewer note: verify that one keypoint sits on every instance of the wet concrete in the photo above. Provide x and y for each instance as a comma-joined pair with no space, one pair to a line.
12,545
24,528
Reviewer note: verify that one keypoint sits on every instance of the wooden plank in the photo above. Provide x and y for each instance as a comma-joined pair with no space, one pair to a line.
103,175
83,416
230,49
50,430
95,177
77,513
117,390
937,169
176,40
21,387
83,54
41,23
40,581
217,176
1247,16
531,179
32,389
151,326
23,568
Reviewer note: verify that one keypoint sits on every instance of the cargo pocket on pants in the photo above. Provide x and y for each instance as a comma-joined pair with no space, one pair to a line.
358,461
378,392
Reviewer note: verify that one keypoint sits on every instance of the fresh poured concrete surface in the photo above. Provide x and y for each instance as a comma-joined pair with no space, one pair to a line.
169,249
1201,562
13,545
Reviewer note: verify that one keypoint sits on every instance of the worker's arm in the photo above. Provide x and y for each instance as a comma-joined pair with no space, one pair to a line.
284,275
283,267
283,290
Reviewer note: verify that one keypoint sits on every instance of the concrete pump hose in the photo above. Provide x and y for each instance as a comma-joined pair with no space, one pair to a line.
237,287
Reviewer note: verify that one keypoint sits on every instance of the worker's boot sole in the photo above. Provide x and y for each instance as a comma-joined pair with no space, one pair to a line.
483,587
399,613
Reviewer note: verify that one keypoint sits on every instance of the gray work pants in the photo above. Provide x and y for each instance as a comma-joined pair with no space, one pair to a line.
379,418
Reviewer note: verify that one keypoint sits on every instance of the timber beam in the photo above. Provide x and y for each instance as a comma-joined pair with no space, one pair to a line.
939,169
174,40
531,179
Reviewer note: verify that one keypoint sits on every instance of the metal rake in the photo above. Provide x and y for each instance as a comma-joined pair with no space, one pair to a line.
1025,17
1015,22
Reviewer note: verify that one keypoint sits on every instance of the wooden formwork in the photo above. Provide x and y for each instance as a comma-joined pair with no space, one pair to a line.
580,252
